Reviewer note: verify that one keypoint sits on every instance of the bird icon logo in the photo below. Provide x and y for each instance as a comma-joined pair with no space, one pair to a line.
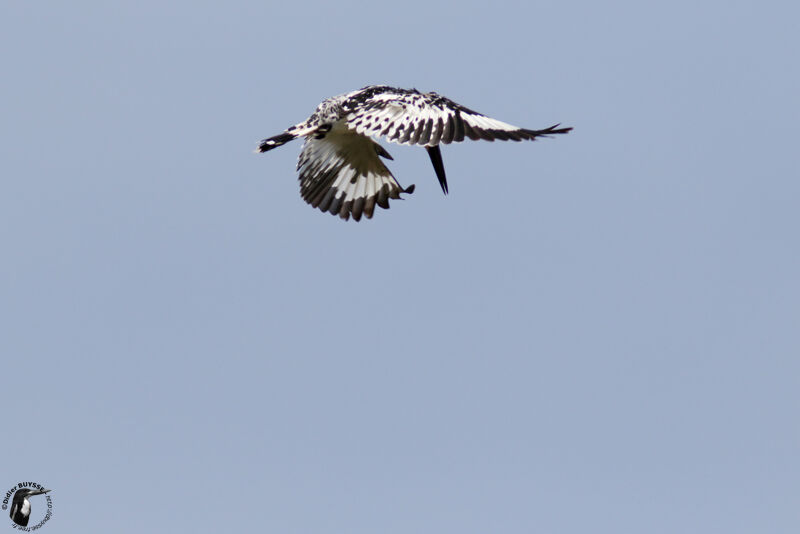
21,508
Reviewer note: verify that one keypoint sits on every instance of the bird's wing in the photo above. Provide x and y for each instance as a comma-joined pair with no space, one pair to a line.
342,174
20,510
413,118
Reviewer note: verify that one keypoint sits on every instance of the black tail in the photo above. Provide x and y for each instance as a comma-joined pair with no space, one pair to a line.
275,142
438,165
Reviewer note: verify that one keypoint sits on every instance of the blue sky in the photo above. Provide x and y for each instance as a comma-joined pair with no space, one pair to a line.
593,333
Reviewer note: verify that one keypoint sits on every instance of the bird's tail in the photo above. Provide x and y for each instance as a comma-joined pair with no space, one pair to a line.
275,142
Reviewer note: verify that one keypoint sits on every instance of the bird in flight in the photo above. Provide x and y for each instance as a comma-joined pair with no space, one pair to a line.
340,171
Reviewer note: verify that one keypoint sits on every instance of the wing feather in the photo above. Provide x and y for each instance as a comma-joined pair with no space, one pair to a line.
409,117
342,174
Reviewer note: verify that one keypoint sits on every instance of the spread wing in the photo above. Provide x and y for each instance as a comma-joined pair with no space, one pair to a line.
342,174
414,118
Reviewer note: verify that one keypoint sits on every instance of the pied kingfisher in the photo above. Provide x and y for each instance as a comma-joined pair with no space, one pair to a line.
21,505
340,171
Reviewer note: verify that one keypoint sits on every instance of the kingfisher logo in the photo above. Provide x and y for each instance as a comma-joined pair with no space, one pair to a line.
25,505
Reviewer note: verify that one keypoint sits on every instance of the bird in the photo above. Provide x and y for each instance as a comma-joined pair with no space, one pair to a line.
21,506
339,167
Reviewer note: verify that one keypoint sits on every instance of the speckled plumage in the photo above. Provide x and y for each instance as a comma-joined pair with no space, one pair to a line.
340,171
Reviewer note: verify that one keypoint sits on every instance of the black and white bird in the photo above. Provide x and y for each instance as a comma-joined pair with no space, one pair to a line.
340,171
21,506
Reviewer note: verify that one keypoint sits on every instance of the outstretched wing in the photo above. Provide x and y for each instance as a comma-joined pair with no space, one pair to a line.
342,174
414,118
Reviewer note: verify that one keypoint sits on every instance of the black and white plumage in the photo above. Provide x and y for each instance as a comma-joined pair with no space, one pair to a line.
21,506
340,171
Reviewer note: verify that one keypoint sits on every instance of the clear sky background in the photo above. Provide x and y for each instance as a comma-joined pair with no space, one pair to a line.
596,333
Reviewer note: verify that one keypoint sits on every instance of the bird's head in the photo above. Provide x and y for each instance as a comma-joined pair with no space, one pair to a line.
21,506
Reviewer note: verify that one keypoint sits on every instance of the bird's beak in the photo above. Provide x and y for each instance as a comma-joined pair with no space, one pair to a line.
39,492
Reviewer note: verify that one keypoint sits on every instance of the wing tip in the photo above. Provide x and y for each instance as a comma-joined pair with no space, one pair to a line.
554,129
